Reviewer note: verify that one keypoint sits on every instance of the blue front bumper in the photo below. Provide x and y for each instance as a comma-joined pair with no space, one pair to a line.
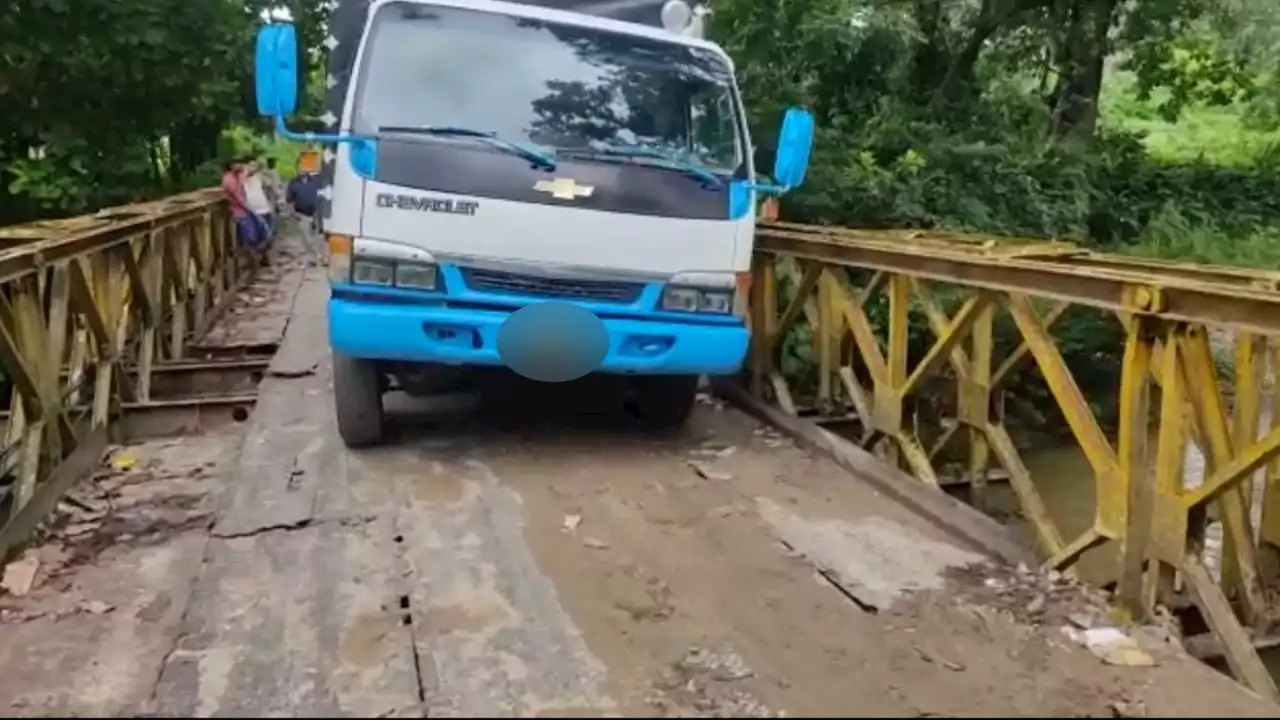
367,327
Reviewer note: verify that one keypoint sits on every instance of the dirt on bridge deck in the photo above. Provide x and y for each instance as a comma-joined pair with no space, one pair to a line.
548,567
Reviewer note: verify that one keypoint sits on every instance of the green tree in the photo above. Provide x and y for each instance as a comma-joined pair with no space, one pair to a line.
109,101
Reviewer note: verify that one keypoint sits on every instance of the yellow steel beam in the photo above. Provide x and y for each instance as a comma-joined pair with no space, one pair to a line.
1210,409
809,281
1135,383
1167,295
941,324
27,258
951,337
763,318
1269,528
1053,250
1168,523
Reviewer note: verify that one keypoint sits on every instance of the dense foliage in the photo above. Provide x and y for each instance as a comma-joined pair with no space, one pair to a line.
985,114
1051,118
107,101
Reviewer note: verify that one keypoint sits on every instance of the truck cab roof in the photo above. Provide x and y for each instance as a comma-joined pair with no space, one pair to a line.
643,12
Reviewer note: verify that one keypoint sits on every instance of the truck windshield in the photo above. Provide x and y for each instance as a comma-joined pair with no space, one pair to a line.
559,87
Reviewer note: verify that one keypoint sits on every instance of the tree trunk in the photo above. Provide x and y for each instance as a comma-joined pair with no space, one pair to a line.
930,59
1080,62
961,74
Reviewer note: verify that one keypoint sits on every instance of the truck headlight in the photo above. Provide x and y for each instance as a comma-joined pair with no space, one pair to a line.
373,272
716,302
413,275
385,264
681,299
702,292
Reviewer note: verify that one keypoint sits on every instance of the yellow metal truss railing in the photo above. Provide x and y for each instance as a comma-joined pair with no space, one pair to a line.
1169,382
88,306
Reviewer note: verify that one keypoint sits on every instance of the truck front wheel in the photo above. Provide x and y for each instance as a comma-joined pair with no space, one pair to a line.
357,397
664,401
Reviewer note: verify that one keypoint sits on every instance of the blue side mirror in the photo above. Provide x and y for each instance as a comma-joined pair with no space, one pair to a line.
795,141
276,69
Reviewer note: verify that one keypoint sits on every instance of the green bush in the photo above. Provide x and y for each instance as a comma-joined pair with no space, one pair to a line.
884,158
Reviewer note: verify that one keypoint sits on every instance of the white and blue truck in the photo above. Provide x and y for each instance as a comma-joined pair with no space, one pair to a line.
488,160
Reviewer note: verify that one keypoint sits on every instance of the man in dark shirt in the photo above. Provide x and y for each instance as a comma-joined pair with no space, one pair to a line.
302,192
302,195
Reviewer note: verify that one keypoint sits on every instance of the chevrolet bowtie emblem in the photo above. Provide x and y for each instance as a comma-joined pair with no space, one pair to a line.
564,188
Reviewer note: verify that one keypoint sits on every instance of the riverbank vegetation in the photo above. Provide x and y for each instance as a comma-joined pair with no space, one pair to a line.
1146,127
112,101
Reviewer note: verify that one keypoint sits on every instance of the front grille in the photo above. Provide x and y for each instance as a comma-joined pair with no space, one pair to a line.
496,281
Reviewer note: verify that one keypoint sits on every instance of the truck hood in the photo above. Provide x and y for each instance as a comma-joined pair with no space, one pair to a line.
460,226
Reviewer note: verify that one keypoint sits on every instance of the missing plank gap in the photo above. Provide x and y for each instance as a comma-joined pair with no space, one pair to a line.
406,619
831,580
406,615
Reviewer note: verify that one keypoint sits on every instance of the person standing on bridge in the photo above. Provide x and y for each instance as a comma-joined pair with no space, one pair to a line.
247,226
274,186
251,229
301,196
257,200
303,192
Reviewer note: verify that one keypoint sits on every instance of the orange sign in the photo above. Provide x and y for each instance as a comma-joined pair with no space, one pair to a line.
309,161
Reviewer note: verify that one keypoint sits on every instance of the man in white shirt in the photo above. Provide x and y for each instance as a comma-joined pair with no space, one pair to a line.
257,201
274,185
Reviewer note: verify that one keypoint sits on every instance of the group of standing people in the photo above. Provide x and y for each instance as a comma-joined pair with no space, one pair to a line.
255,195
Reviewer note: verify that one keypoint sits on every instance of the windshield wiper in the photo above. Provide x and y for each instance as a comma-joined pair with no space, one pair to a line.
665,158
542,160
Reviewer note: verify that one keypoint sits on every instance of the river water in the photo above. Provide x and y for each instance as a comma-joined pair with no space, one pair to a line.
1065,480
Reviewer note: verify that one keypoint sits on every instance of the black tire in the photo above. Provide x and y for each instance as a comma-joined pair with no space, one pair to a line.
357,398
663,402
